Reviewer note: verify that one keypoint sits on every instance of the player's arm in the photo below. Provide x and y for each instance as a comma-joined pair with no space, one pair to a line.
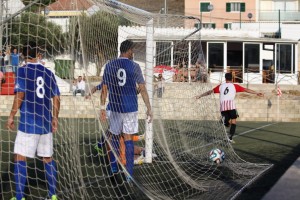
19,97
145,97
93,90
102,102
254,92
204,94
56,108
215,90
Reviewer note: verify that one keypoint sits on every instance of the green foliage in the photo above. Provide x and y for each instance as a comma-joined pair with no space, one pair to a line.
34,27
39,5
99,35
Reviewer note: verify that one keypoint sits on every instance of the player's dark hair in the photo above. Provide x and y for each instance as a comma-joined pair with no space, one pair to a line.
126,45
30,50
228,76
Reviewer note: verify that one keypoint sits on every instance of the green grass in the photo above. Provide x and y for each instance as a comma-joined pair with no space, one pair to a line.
276,144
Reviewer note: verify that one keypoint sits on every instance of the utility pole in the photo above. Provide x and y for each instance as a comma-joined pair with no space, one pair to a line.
6,24
1,26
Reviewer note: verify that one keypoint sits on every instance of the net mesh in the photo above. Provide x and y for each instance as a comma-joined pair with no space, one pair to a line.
79,38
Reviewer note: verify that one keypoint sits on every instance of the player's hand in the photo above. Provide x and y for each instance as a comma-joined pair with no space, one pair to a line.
149,116
54,124
260,94
198,97
88,96
102,115
10,125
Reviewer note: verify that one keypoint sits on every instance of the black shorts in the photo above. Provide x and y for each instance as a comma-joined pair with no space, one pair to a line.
228,115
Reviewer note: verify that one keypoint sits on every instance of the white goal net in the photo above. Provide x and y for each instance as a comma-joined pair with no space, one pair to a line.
79,38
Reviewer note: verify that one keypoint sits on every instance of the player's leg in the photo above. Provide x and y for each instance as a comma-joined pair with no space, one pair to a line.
101,146
51,176
45,150
225,118
129,152
122,150
130,127
25,146
138,150
115,120
20,175
233,116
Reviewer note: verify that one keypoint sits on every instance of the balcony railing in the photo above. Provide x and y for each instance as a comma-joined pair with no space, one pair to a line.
284,15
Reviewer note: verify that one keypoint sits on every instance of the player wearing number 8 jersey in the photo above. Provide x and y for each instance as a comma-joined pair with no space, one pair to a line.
227,93
119,80
35,87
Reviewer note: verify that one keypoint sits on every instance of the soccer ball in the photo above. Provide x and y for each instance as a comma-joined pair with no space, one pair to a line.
217,156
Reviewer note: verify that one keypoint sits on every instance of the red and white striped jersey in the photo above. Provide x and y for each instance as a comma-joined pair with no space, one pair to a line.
227,95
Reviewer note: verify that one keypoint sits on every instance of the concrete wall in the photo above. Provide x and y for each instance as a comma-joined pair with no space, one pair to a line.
179,103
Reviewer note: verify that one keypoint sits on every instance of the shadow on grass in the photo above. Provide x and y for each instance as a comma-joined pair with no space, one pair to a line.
258,189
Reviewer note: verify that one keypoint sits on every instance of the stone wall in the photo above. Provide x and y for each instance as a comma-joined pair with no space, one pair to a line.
178,103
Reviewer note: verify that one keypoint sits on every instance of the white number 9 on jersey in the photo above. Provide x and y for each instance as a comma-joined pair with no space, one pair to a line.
40,90
121,74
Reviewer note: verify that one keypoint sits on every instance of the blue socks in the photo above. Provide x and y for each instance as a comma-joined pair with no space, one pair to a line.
129,148
20,174
116,147
51,175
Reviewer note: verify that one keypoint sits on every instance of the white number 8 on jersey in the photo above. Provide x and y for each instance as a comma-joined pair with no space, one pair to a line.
40,90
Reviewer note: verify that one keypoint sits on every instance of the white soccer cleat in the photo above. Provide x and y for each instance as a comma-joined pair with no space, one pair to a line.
140,160
142,137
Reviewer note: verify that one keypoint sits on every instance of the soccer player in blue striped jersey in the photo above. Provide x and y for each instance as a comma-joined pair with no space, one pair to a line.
119,80
35,87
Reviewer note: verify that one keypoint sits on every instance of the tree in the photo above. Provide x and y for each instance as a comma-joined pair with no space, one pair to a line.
35,27
37,7
99,36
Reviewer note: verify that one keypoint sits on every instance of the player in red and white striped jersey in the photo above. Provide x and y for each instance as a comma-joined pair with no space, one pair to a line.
227,92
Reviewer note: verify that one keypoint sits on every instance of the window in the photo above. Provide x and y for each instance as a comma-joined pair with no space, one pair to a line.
209,25
252,57
285,5
165,57
284,56
197,25
235,7
204,6
227,25
216,57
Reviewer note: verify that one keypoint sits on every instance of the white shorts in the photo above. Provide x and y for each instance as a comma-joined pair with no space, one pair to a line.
123,123
29,144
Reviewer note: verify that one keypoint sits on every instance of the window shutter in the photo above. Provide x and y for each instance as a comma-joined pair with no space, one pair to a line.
243,7
228,7
204,7
197,25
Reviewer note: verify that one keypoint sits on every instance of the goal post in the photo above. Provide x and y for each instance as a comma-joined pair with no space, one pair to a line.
149,85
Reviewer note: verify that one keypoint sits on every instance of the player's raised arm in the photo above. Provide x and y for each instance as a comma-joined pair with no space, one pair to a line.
204,94
19,96
254,92
145,97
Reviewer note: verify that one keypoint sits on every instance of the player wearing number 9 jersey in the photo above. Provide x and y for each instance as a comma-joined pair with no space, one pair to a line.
35,87
120,78
227,93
